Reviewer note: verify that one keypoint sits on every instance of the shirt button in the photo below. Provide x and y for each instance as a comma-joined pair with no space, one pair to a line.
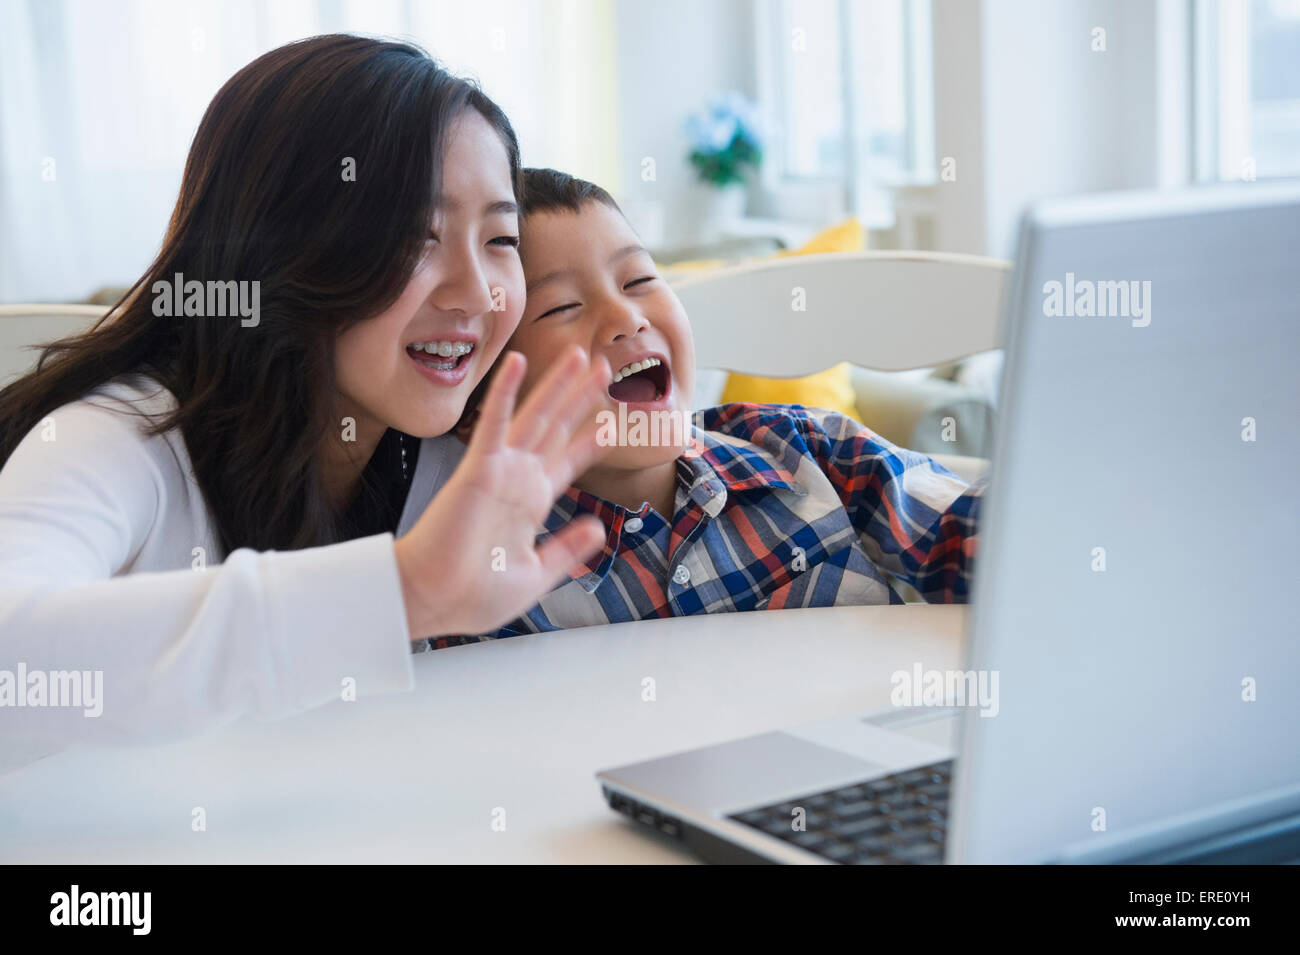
713,506
681,575
633,525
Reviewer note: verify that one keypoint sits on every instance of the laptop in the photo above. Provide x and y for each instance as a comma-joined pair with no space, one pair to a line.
1134,591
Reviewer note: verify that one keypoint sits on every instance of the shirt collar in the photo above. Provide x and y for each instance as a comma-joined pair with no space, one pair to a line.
740,465
712,467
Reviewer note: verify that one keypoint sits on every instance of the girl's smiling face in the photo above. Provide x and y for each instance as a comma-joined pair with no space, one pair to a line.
459,306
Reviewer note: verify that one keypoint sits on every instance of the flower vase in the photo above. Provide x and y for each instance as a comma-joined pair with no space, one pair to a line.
722,206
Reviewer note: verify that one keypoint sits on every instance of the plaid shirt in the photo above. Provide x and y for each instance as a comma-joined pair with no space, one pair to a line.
777,506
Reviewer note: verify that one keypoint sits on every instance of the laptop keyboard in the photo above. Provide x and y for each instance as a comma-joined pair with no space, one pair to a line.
900,819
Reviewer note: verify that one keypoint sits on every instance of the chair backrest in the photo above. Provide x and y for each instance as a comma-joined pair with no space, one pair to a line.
885,310
22,326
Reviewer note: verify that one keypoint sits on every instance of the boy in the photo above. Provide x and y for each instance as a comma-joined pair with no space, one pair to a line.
744,506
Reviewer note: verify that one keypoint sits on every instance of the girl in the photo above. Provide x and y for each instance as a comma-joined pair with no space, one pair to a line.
198,511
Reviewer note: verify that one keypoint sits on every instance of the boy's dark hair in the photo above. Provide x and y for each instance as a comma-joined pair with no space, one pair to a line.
546,190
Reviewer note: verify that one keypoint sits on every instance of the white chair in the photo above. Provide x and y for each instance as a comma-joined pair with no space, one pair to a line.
23,326
890,311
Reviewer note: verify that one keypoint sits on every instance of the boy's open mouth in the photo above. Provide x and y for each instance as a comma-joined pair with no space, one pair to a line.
441,355
641,381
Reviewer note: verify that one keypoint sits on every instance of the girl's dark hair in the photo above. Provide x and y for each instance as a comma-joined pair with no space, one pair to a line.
268,196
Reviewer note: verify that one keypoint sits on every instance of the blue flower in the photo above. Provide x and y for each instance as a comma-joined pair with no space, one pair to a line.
743,112
728,116
726,139
710,132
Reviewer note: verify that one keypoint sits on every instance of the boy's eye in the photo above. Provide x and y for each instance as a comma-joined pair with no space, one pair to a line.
643,279
557,310
509,240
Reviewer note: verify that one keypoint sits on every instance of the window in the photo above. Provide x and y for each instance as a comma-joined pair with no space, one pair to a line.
848,86
1248,89
103,100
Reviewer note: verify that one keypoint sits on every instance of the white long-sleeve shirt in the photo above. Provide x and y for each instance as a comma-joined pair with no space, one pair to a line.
109,562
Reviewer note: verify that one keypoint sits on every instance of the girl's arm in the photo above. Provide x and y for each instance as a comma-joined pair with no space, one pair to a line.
270,633
170,652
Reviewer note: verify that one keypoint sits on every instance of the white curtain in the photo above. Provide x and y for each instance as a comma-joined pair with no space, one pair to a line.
99,100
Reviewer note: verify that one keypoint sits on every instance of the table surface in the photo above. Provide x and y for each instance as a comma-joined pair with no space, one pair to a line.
509,731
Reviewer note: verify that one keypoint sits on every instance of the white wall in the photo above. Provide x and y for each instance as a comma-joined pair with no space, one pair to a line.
1060,118
1055,110
1022,104
672,56
959,125
1028,110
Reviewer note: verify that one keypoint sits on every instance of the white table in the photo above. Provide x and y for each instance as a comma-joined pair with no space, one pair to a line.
520,724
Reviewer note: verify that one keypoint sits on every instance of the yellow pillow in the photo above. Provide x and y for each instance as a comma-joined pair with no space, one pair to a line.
845,237
692,265
832,388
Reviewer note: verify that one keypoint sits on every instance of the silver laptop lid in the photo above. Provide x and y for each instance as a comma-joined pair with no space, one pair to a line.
1137,578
